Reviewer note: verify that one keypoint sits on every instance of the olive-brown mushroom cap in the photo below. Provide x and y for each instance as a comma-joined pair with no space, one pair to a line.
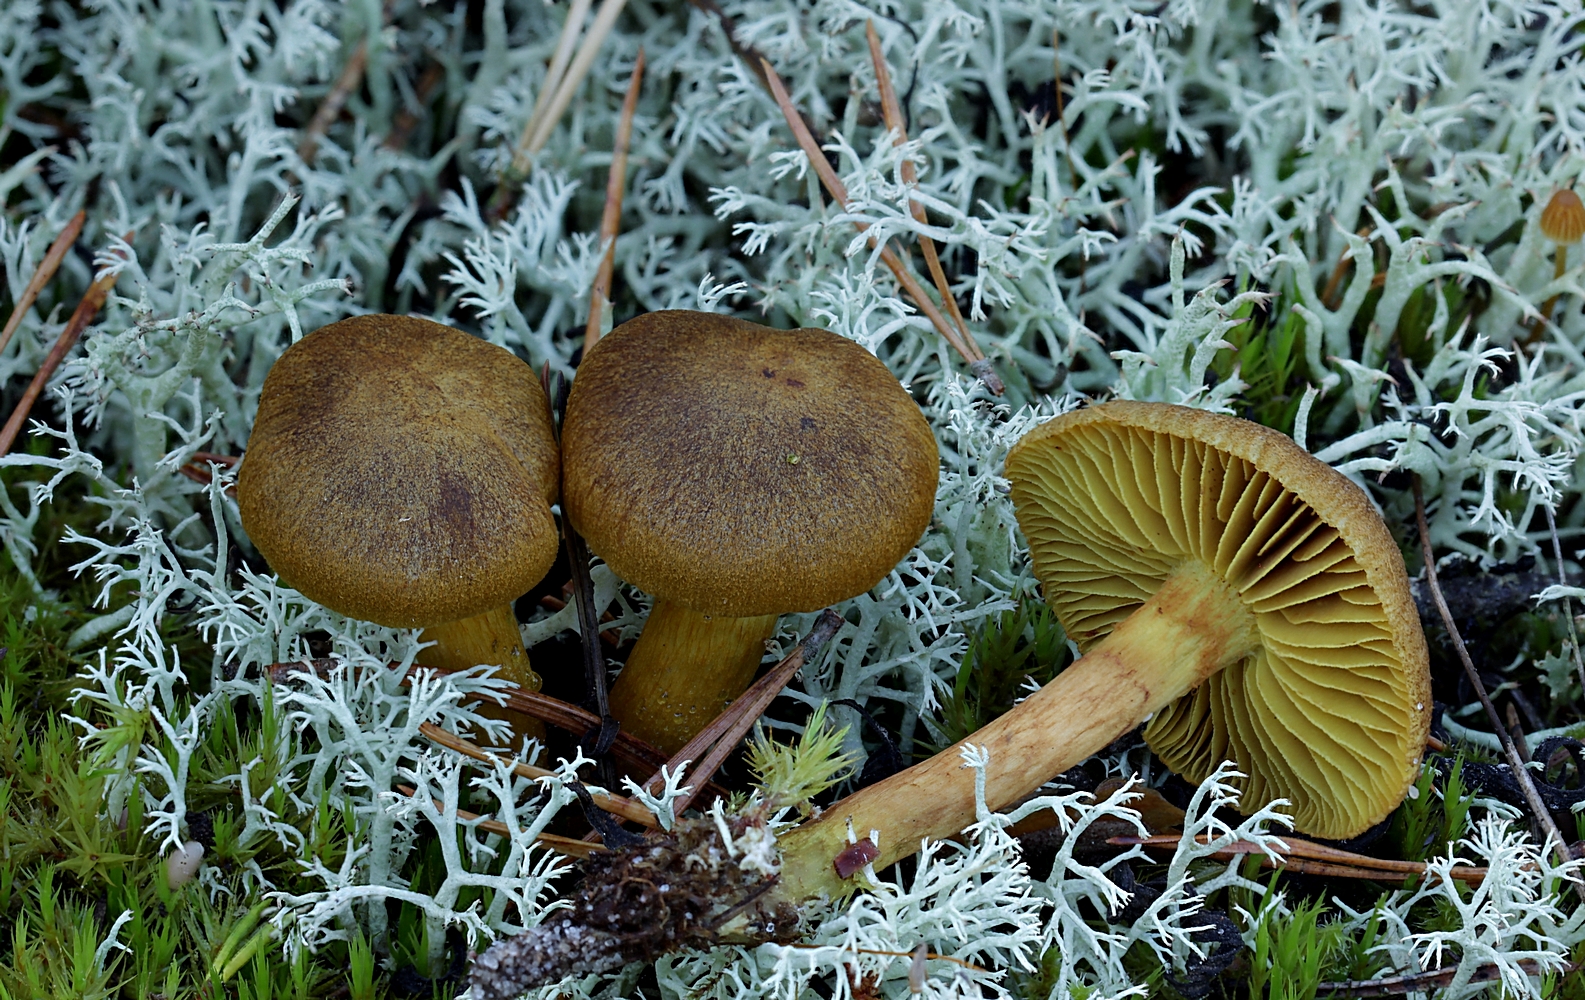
1332,710
1563,219
401,472
741,470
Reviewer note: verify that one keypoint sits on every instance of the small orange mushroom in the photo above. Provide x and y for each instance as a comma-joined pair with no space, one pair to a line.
1562,222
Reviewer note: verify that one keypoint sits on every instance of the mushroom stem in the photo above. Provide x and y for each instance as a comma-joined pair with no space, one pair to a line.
1192,627
491,638
684,670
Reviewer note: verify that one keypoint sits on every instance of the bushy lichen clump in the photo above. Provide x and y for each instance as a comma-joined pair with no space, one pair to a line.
1321,214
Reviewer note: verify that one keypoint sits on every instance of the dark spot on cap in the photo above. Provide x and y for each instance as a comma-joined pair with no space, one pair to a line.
455,505
807,423
795,383
769,372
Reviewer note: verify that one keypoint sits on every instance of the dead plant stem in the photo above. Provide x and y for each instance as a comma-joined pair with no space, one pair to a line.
611,217
93,300
838,191
711,745
1516,764
1568,605
41,277
893,114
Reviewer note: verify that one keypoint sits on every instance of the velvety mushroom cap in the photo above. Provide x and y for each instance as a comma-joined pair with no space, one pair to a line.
1332,708
402,472
741,470
1563,219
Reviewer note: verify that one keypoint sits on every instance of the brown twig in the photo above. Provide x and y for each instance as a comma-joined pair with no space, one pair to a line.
1562,579
1310,858
710,746
617,805
893,114
1328,294
197,468
93,300
571,28
561,845
1419,982
1521,774
564,716
407,119
330,108
41,277
611,218
834,186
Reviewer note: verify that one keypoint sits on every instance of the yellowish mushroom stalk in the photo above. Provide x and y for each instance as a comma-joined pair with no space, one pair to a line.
1240,595
490,638
685,669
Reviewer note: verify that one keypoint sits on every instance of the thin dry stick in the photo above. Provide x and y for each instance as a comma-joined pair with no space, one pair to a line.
543,707
611,218
559,844
1314,859
833,185
41,277
330,108
892,110
721,736
407,119
1562,579
568,84
617,805
93,300
1515,764
1419,982
570,29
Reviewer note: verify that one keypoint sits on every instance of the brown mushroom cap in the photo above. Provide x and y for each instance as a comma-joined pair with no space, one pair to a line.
1332,709
741,470
402,472
1563,219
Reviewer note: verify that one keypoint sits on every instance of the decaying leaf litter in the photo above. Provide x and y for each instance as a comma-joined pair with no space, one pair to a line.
1320,216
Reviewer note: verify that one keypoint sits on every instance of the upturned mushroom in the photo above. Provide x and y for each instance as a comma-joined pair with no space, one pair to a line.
1242,596
402,472
736,472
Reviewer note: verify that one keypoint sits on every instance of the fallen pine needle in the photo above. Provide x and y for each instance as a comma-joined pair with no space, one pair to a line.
93,300
559,844
611,217
617,805
41,277
837,190
1308,857
893,113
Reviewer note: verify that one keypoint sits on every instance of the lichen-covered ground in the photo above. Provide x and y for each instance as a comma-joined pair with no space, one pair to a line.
1323,216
